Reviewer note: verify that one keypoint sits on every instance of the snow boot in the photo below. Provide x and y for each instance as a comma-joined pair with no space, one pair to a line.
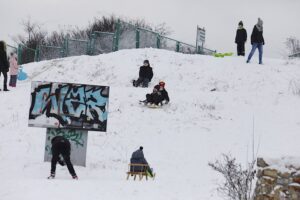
52,176
75,177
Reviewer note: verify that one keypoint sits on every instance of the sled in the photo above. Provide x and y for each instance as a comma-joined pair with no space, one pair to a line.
140,174
151,105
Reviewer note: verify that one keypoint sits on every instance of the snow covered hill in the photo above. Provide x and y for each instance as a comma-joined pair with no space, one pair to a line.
179,140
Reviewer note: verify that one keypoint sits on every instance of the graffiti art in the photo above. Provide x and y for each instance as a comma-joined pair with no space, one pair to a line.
68,105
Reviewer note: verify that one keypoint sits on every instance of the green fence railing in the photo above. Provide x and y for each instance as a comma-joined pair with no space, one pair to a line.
45,52
102,42
75,47
126,36
26,54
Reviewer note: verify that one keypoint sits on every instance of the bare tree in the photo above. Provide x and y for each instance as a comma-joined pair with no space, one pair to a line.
238,181
35,35
293,45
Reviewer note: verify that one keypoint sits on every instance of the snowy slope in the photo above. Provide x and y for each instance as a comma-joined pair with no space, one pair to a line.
179,140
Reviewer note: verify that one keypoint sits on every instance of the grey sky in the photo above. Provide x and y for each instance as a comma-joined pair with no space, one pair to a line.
219,17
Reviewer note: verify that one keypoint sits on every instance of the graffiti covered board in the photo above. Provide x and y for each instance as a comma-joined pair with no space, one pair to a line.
68,105
78,140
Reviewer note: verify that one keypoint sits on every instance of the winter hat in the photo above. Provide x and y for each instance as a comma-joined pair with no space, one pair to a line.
162,84
146,61
141,148
259,24
241,23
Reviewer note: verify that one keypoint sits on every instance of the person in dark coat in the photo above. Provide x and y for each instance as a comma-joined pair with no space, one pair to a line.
145,75
240,39
257,40
4,66
61,146
158,95
138,157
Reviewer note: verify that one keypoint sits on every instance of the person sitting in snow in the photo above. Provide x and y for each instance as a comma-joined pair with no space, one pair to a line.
61,146
145,75
138,157
158,96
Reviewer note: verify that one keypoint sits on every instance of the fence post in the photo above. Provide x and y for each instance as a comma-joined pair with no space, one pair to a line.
177,46
92,44
117,35
66,52
37,54
137,38
158,41
19,54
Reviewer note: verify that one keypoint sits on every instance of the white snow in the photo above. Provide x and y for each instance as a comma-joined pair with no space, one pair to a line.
179,140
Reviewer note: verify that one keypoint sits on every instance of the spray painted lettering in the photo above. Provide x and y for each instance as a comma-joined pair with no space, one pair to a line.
66,105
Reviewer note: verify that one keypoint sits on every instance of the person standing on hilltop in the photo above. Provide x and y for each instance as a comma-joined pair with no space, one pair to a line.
257,40
240,39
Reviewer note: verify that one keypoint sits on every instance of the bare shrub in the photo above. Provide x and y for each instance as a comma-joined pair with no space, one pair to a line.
238,181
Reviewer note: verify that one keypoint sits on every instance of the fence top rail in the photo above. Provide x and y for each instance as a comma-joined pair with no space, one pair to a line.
79,40
213,51
186,44
49,46
11,46
101,32
164,37
143,29
22,45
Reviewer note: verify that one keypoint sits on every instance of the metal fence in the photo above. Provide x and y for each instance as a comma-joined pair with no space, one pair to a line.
102,42
74,47
147,38
49,52
126,36
26,54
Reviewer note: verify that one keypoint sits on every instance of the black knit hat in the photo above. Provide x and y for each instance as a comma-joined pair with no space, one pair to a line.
146,61
141,148
241,23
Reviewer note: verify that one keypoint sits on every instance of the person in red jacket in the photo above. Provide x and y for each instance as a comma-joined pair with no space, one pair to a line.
158,96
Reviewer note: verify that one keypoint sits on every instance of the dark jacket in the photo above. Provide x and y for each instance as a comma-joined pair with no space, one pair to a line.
146,72
59,141
164,95
4,66
241,36
257,36
138,158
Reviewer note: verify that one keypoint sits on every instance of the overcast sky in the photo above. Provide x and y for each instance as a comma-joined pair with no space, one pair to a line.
219,17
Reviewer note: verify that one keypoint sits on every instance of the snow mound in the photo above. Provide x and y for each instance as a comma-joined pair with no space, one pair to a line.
214,104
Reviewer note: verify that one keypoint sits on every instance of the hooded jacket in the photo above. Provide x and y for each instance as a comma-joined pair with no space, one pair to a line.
13,65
